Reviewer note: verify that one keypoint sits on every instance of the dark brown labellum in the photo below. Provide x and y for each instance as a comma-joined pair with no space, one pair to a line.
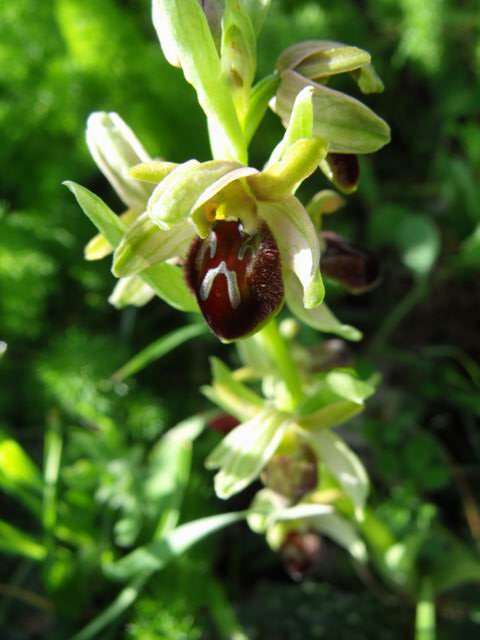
349,264
292,475
344,170
301,553
236,278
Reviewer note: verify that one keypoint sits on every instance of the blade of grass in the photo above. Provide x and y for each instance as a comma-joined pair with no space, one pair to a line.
158,349
52,458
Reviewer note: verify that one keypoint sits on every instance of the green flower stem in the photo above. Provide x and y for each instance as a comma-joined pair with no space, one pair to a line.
280,354
425,615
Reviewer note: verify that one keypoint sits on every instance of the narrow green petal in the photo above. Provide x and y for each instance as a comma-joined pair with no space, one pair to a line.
345,123
298,243
283,178
300,124
243,453
131,291
115,149
188,187
320,318
341,531
144,244
153,172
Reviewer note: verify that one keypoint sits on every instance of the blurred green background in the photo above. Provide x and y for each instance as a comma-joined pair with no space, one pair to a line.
418,208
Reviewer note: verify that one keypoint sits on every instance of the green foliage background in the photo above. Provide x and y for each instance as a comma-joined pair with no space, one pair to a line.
418,207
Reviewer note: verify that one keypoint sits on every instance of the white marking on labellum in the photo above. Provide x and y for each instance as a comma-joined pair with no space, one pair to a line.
232,284
212,244
247,245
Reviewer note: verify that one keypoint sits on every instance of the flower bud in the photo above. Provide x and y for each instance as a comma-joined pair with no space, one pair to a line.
236,278
343,170
322,58
349,264
292,475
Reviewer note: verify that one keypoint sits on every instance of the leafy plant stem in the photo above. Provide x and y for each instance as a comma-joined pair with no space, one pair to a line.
425,614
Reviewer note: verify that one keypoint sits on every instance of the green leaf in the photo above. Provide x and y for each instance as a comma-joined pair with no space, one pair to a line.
419,241
99,247
19,476
343,464
52,460
122,602
158,349
16,542
186,40
243,453
156,555
165,279
345,123
169,471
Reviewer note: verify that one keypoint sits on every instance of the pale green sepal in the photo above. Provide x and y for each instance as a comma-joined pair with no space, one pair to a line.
186,40
298,244
243,453
115,149
107,222
153,172
318,58
368,80
258,10
260,96
320,318
300,124
230,394
168,282
345,123
337,412
99,247
343,464
165,279
188,187
341,531
238,54
145,244
282,178
300,511
131,291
